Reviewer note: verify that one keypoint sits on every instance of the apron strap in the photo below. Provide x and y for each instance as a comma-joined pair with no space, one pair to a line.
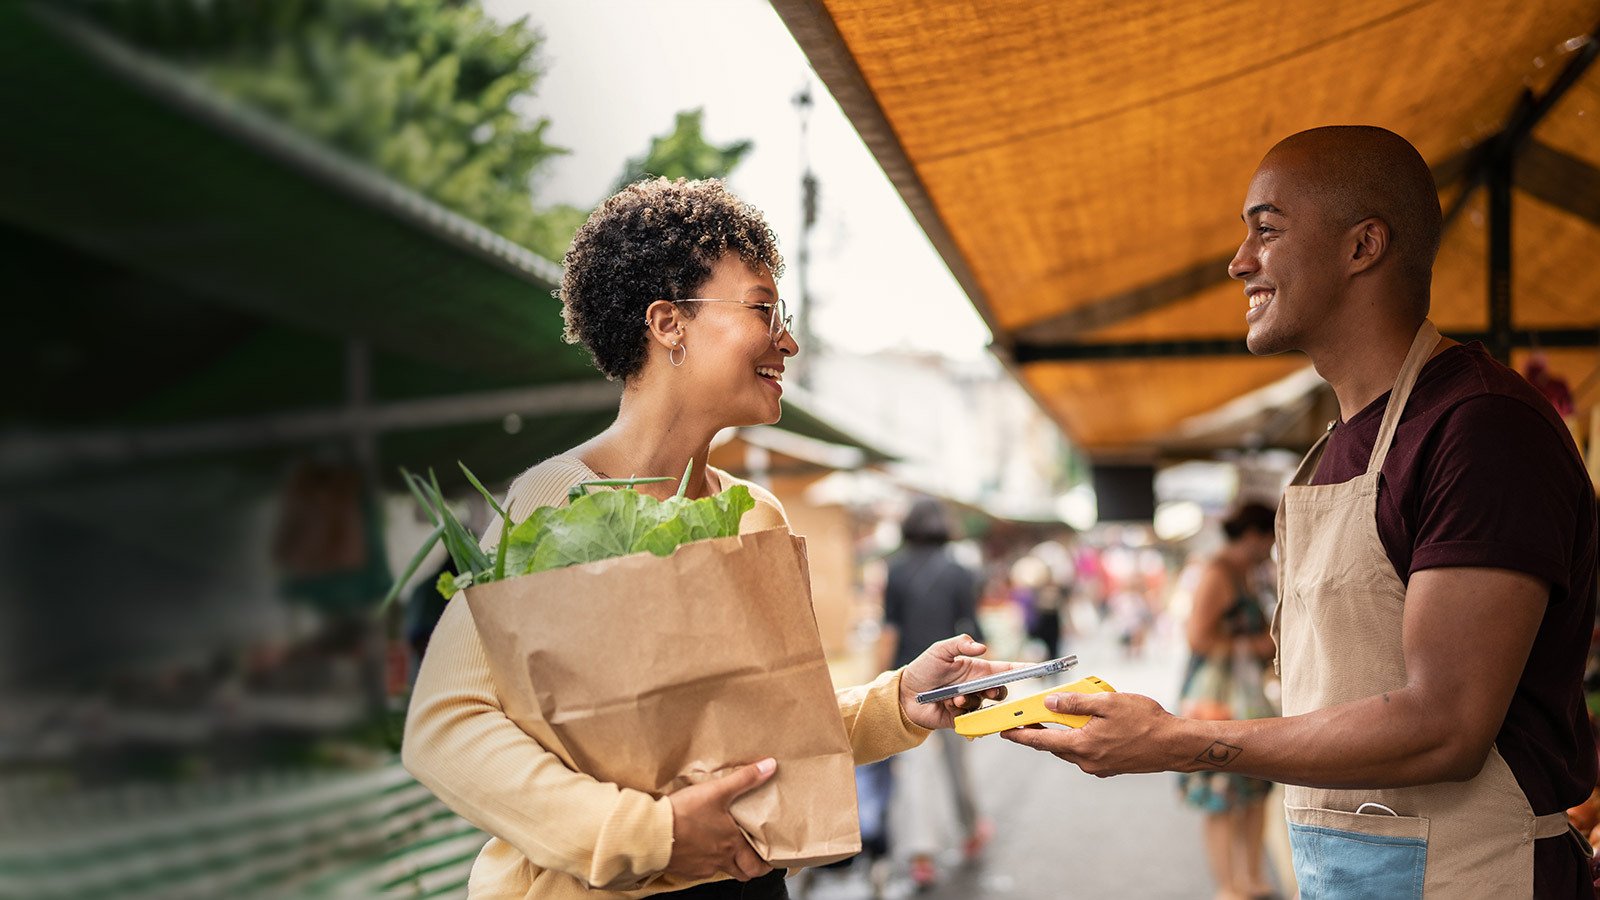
1556,825
1552,825
1421,350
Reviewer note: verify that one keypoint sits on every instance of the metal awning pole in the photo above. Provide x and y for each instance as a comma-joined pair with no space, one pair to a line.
1500,166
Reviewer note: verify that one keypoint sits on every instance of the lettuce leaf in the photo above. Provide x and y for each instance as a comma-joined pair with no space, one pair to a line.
618,523
698,520
450,583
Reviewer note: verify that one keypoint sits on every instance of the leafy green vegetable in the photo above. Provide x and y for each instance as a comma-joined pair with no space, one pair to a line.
617,523
463,547
505,525
582,489
698,520
449,583
591,527
519,544
464,552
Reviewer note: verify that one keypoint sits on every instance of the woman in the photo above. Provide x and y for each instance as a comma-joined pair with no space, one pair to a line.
1230,648
671,286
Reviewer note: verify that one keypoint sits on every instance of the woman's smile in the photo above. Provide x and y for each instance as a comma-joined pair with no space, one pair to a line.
772,375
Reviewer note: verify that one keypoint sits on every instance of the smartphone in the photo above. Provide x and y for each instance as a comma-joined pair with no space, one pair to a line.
978,685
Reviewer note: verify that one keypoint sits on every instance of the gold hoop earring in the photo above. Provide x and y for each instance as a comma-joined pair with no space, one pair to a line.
677,360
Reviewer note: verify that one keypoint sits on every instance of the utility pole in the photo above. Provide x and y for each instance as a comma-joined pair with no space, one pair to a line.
808,207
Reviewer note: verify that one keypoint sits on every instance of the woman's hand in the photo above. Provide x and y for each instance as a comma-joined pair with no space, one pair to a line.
705,839
948,662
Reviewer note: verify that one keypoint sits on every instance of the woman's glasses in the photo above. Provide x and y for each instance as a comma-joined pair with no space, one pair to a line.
778,322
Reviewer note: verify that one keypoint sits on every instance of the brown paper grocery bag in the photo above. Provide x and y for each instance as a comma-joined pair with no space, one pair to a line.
659,672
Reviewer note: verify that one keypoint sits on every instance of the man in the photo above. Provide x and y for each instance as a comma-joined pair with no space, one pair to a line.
928,592
1438,557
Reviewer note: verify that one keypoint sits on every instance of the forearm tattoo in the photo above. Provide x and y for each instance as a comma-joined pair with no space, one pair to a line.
1219,755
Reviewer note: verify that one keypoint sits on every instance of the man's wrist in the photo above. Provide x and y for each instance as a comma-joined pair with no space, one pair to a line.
1197,745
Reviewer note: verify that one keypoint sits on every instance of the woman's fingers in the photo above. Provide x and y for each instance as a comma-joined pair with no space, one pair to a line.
705,839
952,649
748,864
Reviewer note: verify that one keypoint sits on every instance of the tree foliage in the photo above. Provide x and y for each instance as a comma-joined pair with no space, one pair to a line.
427,91
685,153
430,92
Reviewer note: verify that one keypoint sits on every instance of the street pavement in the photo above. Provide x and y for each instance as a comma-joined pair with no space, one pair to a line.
1058,832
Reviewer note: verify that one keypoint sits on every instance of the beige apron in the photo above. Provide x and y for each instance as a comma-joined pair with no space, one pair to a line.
1338,629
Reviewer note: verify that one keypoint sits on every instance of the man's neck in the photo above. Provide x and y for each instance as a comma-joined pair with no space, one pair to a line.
1362,363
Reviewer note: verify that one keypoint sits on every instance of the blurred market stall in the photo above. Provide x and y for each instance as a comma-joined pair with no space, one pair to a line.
227,338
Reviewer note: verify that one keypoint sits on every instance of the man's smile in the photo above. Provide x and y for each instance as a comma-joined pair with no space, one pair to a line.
1259,296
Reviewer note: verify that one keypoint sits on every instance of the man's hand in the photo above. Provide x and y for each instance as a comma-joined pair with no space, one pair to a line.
705,839
948,662
1435,727
1129,733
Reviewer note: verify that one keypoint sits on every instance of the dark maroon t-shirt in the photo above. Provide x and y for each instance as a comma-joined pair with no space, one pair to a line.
1483,473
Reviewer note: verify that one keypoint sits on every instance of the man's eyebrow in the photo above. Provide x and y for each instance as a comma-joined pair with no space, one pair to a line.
1261,208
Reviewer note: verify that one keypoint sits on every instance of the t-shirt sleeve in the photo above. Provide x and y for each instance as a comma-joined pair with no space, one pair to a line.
1494,494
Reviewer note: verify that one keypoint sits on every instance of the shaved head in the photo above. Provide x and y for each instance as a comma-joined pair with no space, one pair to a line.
1360,172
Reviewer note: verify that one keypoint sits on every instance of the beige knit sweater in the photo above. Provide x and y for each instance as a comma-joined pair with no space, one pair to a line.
559,833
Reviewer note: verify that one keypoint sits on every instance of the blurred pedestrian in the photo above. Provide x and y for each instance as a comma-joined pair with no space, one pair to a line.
874,786
1230,648
1048,603
929,593
1130,613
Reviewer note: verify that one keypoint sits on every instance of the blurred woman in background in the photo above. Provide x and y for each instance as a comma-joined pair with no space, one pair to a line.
1230,649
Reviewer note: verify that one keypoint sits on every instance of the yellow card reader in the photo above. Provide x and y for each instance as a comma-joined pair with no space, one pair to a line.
1029,710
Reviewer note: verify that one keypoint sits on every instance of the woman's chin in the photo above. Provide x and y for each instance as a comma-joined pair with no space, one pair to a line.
768,412
754,417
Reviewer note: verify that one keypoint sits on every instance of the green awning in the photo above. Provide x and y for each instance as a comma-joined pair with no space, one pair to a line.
195,278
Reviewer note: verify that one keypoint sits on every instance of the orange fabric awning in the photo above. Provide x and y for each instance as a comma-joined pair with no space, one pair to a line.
1081,167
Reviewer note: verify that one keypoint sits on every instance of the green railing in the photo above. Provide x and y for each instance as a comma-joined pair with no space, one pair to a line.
375,833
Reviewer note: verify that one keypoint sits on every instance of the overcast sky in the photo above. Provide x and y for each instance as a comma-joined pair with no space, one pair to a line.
618,71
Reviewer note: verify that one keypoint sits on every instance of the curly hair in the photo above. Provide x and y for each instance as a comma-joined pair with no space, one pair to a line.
653,240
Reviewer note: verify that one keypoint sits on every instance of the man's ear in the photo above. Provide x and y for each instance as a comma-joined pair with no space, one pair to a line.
664,323
1368,241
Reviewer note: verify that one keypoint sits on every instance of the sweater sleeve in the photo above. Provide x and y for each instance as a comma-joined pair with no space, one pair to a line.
875,721
462,746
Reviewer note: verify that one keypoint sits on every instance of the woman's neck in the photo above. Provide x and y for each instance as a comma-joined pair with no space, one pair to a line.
652,437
